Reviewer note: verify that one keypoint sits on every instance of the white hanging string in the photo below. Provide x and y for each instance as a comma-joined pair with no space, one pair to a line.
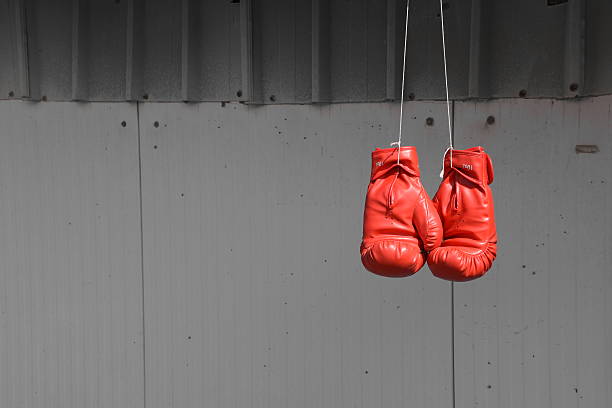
448,110
399,137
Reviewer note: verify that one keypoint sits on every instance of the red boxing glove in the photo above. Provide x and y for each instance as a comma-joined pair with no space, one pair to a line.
400,221
465,204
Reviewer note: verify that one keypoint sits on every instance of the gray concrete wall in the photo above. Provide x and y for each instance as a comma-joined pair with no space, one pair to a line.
207,255
70,259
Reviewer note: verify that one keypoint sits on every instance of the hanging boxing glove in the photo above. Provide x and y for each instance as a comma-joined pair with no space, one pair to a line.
400,222
465,204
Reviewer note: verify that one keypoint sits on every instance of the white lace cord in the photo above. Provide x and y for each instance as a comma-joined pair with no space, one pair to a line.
443,157
448,111
401,118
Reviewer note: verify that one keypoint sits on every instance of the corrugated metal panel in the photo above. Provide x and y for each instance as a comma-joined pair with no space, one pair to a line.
50,51
13,50
537,331
254,292
289,51
357,48
519,41
7,72
71,293
598,57
282,37
425,64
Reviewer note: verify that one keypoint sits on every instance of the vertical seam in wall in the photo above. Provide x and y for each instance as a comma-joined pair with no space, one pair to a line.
142,294
453,340
27,36
453,285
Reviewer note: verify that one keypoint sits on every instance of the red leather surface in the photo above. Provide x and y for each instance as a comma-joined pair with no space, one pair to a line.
465,204
400,222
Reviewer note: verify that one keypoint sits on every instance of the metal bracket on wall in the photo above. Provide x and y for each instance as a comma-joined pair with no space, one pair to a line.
573,78
392,72
134,58
80,40
190,59
474,75
321,79
247,67
19,48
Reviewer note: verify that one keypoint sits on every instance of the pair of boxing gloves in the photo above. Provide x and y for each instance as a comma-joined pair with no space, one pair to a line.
403,228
